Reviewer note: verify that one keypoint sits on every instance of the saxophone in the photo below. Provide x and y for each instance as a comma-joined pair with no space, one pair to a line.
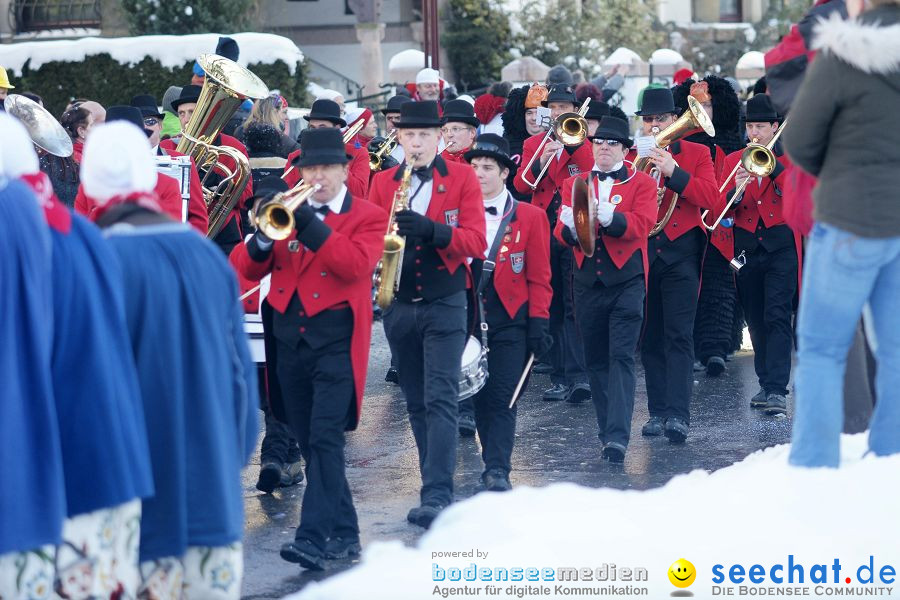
387,274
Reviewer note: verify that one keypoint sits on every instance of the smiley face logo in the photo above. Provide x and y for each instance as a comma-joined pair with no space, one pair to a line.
682,573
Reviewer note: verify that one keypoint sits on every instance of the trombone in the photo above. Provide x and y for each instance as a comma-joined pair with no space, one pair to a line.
276,219
376,158
759,161
348,135
569,128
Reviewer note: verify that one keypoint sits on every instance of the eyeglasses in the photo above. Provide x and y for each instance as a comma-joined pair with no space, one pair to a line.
455,130
610,143
656,118
151,122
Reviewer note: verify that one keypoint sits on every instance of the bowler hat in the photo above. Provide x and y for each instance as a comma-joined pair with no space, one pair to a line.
460,111
190,94
560,93
394,103
597,110
130,114
228,48
657,101
322,147
422,114
326,110
272,184
491,145
147,105
760,110
613,128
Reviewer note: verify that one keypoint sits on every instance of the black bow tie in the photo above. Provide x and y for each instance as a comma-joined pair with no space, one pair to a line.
491,210
603,175
423,173
323,210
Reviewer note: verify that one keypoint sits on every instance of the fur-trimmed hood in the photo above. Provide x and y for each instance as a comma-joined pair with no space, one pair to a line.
870,43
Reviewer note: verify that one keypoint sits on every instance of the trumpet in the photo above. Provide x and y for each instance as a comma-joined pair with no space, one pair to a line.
376,158
348,135
276,219
759,161
569,128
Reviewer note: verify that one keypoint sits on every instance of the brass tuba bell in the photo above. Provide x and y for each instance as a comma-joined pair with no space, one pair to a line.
45,131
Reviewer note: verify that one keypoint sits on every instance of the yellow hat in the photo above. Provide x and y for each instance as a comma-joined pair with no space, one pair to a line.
4,80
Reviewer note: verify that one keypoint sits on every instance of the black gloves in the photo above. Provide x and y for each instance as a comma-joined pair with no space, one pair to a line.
539,340
412,224
303,216
376,143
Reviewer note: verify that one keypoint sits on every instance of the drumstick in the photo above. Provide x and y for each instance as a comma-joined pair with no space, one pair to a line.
522,379
250,293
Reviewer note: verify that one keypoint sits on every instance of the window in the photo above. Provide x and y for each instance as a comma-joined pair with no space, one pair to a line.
40,15
730,11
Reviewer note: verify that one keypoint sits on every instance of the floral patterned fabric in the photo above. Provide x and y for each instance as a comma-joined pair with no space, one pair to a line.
203,573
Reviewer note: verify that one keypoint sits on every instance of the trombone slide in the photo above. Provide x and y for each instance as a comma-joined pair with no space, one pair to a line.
557,129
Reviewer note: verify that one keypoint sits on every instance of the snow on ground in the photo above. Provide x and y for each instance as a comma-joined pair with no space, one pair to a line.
758,511
170,50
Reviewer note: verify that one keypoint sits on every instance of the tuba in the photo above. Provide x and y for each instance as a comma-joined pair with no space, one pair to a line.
387,274
276,219
227,85
694,118
46,133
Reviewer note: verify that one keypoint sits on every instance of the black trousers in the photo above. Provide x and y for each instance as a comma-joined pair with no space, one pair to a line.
427,339
318,392
667,350
714,324
611,319
766,287
566,356
278,444
496,422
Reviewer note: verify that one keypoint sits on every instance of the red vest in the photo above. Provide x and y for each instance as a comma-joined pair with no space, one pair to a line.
567,165
638,206
761,200
339,272
357,179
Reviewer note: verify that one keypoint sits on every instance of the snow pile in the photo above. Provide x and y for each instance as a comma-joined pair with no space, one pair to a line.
170,50
622,56
665,56
758,511
751,60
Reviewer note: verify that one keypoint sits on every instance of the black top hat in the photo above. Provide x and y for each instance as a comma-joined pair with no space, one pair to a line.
393,104
228,48
560,93
147,105
129,114
460,111
272,184
322,147
326,110
657,101
491,145
760,110
190,94
423,114
597,110
613,128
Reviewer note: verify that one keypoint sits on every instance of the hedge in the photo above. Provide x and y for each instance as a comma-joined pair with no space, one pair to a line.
99,77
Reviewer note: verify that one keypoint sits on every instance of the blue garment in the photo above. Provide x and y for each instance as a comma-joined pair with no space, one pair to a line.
198,384
841,272
32,498
98,402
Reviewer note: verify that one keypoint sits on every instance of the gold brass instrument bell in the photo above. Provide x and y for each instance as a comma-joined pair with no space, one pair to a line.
569,128
376,158
276,218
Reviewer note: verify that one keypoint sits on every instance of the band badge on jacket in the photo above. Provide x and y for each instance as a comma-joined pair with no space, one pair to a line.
451,217
617,199
517,262
574,170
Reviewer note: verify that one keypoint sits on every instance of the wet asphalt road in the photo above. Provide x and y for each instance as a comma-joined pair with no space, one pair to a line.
555,442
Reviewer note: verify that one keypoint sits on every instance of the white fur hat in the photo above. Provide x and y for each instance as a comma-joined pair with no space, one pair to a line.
17,155
117,161
427,75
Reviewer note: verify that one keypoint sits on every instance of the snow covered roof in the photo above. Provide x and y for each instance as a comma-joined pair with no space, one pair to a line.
622,56
665,56
170,50
758,511
752,60
407,60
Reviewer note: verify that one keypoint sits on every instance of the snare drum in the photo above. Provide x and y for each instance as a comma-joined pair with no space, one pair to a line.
254,328
473,372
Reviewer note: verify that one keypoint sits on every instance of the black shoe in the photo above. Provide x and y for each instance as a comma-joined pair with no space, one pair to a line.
496,480
338,547
305,553
614,452
579,393
556,392
428,513
653,427
715,366
776,405
291,474
392,376
413,515
466,426
542,368
698,366
759,400
269,477
676,430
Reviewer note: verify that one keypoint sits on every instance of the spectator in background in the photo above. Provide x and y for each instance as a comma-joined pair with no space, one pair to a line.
610,82
5,86
841,133
489,108
63,172
171,126
559,75
267,111
428,86
97,111
264,147
334,96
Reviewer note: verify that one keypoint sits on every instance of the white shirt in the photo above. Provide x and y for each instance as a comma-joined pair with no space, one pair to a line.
492,222
335,205
604,188
422,196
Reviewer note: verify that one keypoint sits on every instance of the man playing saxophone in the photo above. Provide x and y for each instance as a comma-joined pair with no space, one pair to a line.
426,324
318,319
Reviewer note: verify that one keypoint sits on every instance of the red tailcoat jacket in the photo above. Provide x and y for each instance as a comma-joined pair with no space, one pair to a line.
638,211
168,192
457,157
357,179
522,273
340,271
567,165
456,207
197,215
